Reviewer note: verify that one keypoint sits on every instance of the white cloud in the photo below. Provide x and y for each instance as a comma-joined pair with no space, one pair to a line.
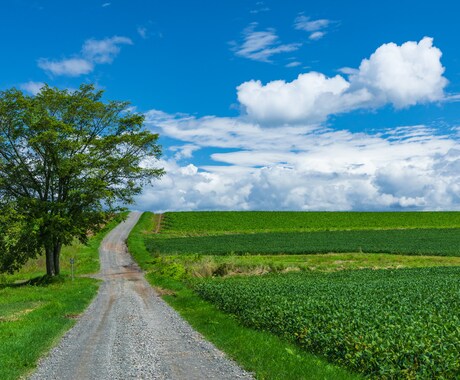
311,97
400,75
316,28
278,155
32,87
293,64
328,170
106,5
261,45
142,31
316,36
403,75
93,52
104,51
183,151
72,67
305,23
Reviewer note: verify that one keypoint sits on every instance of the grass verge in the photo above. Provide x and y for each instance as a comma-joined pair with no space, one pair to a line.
264,354
35,313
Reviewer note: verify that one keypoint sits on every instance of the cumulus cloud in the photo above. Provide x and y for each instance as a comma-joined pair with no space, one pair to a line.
317,180
93,52
261,45
279,155
311,97
402,75
306,168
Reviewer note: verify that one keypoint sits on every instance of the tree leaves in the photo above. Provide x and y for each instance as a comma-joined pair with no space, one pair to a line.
68,159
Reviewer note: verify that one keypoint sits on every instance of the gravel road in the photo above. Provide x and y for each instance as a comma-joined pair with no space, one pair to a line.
129,332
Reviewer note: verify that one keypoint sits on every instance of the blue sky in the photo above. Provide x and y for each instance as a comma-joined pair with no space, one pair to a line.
287,105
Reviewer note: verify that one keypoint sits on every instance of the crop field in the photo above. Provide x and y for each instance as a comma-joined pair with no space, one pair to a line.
224,233
208,223
404,241
385,324
375,293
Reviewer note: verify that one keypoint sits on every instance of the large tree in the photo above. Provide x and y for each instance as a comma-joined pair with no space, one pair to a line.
68,160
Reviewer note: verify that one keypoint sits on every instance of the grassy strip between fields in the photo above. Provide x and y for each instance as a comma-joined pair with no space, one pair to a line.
34,315
264,354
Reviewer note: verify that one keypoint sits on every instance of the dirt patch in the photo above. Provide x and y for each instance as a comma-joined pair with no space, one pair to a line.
164,292
16,316
158,224
72,316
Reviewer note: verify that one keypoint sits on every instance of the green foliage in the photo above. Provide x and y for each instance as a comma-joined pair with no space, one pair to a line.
18,240
402,241
68,160
208,223
384,324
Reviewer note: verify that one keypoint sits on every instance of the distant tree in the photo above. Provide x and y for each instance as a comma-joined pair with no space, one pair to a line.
68,160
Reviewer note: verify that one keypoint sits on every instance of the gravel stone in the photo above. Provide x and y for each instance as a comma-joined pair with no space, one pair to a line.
129,332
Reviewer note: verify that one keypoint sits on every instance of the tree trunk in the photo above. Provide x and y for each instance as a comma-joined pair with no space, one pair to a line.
50,262
56,254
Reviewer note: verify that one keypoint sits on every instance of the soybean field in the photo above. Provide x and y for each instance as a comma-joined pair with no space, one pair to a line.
384,324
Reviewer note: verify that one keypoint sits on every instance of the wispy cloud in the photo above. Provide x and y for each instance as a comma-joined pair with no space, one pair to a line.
93,52
32,87
293,64
104,51
142,31
260,7
106,5
72,67
316,28
261,45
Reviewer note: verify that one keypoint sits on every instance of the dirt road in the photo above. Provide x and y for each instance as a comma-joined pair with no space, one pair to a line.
128,332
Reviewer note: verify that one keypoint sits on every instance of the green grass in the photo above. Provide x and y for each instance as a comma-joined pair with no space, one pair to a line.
264,354
404,241
136,239
191,266
34,315
400,324
208,223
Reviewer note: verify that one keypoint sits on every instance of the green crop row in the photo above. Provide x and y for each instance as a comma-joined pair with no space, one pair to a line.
217,222
383,324
405,241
